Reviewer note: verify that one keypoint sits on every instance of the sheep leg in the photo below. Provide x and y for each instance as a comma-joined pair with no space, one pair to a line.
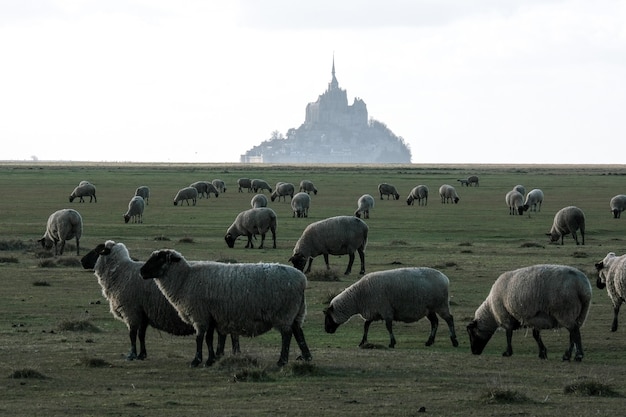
450,321
61,248
142,341
221,343
575,342
362,257
434,324
132,334
273,230
284,351
615,313
366,329
350,262
234,340
199,341
543,352
309,267
328,264
77,247
249,244
575,236
509,347
298,334
392,338
262,240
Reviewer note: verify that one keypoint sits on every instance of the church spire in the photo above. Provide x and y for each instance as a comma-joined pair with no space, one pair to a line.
334,84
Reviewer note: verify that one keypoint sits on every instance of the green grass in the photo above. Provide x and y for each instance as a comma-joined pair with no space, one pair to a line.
64,354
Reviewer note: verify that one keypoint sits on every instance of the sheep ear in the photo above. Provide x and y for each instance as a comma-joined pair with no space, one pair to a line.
599,266
172,257
472,325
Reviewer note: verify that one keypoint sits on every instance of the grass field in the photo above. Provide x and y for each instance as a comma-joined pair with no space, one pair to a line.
62,353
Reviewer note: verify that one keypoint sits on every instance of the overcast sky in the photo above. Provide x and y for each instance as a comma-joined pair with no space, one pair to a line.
483,81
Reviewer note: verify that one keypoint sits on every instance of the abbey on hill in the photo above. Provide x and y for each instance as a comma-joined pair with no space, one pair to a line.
333,132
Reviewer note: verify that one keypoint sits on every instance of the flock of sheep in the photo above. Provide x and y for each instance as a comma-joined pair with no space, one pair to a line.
185,297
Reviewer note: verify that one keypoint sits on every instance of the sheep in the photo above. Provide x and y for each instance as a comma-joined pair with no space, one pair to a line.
308,187
538,296
388,189
283,189
612,276
84,189
618,204
402,294
472,180
144,192
62,225
186,194
258,184
568,220
448,193
520,188
419,193
259,200
205,188
300,204
219,185
241,299
244,183
251,222
534,199
515,201
135,210
338,235
364,204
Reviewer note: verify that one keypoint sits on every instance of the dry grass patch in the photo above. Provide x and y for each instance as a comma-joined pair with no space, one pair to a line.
326,275
94,363
590,388
27,373
78,326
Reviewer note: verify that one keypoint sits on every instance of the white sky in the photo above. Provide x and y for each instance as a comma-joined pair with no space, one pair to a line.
482,81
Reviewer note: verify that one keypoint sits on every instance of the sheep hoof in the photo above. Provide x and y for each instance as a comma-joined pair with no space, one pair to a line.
306,358
194,363
430,341
131,356
455,342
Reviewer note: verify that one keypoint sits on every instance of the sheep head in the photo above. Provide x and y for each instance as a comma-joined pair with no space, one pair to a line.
329,323
478,339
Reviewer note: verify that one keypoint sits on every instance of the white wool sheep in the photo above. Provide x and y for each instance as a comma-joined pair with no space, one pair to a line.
618,204
403,294
612,276
534,199
539,297
82,190
448,193
515,202
419,193
363,206
338,235
135,210
259,200
258,184
568,220
240,299
220,185
520,188
244,183
205,188
62,225
283,189
144,192
388,190
186,194
250,223
300,204
308,187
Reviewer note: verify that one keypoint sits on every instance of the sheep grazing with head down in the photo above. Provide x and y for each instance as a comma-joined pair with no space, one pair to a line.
205,188
135,210
388,190
143,192
618,204
534,199
364,204
244,183
300,204
260,185
612,276
419,193
403,294
539,297
283,189
240,299
186,194
250,223
259,200
448,194
568,220
220,185
307,187
515,201
338,235
82,190
62,225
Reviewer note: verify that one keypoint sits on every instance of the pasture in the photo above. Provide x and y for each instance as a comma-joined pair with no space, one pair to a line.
62,352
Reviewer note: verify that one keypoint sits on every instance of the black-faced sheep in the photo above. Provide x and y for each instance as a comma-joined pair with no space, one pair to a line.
258,184
300,204
338,235
259,200
534,199
612,276
388,190
363,206
618,204
283,189
448,194
186,194
82,190
250,223
307,187
403,294
62,225
515,201
568,220
205,188
144,192
419,193
539,297
219,185
240,299
135,210
244,183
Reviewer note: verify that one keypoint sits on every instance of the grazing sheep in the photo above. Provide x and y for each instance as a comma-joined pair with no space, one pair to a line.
205,188
84,189
251,222
534,199
472,180
300,204
539,296
388,189
258,184
283,189
144,192
219,185
515,201
62,225
135,210
364,204
568,220
338,235
618,204
403,294
612,275
448,193
308,187
259,200
419,193
244,183
520,188
186,194
240,299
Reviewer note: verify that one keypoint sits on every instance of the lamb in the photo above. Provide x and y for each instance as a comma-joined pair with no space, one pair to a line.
515,201
135,210
618,204
144,192
419,193
258,184
364,204
472,180
84,189
612,276
259,200
62,225
388,189
241,299
205,188
568,220
244,183
402,294
338,235
307,187
534,199
448,193
283,189
251,222
300,204
538,296
219,185
186,194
